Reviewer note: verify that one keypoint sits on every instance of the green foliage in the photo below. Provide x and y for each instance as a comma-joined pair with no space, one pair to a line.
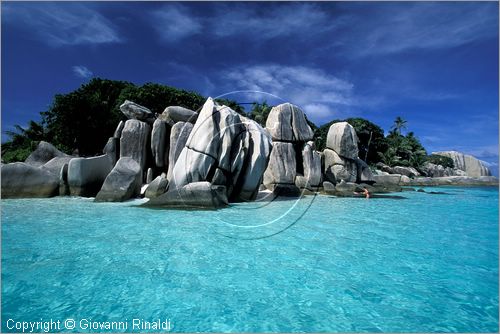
259,112
403,151
231,104
22,142
371,138
157,97
441,160
399,124
84,119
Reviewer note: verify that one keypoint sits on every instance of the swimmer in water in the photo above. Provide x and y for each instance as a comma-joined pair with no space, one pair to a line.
364,192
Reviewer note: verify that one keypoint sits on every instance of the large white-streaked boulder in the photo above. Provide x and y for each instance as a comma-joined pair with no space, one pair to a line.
197,195
179,135
282,166
191,166
159,142
86,175
338,168
157,187
23,180
43,154
216,132
134,140
225,149
312,164
135,111
174,114
342,139
467,163
257,148
287,122
122,183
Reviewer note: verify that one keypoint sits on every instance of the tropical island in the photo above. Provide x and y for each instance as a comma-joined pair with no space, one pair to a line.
114,141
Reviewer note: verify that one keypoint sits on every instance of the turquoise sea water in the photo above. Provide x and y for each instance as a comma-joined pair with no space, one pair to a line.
425,263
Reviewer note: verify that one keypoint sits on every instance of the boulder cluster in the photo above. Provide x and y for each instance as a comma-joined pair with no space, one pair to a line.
294,164
182,158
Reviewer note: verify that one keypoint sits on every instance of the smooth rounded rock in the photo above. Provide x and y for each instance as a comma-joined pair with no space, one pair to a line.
192,195
122,183
174,114
22,180
286,122
135,111
86,175
43,154
343,140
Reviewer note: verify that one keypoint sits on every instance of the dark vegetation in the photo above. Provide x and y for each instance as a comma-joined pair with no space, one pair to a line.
82,121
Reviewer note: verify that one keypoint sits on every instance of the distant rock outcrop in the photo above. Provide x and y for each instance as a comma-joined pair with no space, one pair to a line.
467,163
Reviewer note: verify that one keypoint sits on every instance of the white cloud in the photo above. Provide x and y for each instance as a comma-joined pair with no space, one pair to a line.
174,22
393,28
320,94
82,71
60,24
273,21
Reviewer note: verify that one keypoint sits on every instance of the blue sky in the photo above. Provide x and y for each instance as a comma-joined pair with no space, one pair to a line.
433,63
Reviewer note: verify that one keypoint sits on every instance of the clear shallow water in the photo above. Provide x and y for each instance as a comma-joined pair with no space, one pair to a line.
427,263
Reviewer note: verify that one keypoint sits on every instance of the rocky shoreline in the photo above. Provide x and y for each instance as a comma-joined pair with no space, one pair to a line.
182,158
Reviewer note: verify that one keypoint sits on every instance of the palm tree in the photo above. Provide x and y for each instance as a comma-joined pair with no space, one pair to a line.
399,124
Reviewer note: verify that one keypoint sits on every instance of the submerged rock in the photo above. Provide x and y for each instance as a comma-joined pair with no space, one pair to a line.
122,183
23,180
196,194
